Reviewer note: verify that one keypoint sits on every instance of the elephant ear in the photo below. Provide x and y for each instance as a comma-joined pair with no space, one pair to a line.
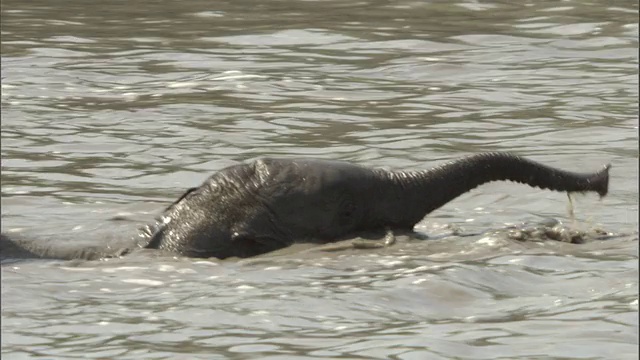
189,191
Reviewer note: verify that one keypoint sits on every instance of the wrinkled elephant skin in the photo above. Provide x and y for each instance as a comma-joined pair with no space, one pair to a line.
257,207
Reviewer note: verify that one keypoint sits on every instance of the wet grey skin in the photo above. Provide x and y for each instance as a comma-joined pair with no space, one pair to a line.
268,204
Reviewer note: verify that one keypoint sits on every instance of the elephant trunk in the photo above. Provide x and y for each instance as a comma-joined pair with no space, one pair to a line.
428,190
18,246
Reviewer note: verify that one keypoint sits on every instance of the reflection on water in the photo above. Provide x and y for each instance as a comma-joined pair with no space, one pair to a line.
115,110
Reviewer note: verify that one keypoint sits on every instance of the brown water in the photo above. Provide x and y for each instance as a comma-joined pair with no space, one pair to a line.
112,109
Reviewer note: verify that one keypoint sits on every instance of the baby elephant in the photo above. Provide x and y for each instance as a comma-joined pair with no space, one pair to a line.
250,209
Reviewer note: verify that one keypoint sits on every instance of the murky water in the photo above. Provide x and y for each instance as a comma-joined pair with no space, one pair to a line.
112,109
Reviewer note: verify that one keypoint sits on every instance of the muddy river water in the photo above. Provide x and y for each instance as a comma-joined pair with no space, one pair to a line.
110,110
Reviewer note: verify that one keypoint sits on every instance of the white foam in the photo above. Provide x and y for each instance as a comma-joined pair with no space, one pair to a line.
122,268
260,313
77,268
146,282
185,84
390,262
186,271
487,241
241,76
204,262
166,268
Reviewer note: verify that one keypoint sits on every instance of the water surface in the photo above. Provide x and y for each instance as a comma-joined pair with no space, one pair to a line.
113,109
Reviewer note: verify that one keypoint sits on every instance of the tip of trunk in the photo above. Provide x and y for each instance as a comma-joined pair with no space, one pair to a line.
600,181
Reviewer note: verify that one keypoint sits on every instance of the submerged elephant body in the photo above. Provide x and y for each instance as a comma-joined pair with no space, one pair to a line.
254,208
